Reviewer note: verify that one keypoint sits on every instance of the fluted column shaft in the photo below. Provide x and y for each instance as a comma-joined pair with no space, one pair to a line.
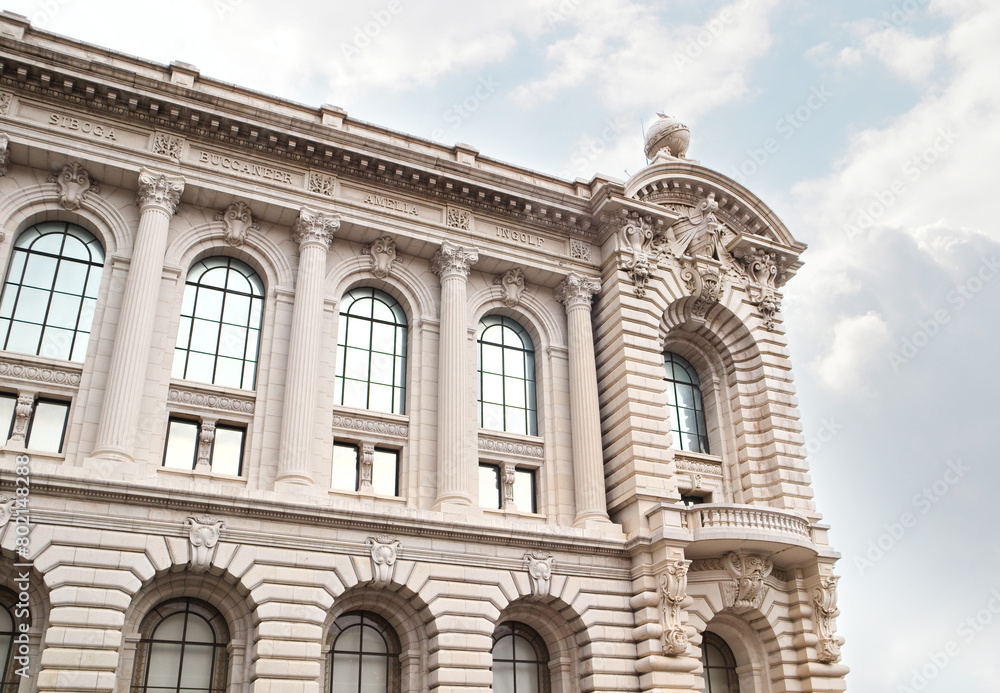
452,264
158,197
313,232
585,412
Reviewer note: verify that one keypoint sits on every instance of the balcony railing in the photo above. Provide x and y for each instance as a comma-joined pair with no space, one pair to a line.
716,516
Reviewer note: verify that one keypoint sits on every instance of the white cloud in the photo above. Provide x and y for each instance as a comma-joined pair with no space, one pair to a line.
859,343
910,57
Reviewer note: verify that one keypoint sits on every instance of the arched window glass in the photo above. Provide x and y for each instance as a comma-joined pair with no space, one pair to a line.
50,293
520,660
719,664
219,331
364,656
506,377
371,358
182,650
8,680
687,411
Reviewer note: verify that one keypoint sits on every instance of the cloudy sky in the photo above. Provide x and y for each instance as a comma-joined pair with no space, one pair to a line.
867,126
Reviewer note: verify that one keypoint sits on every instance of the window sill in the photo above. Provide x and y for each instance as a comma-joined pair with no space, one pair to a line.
54,457
359,495
201,474
519,514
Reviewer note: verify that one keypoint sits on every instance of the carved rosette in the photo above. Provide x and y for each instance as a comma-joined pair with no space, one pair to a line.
205,439
643,243
203,536
74,183
577,290
383,254
673,592
762,275
384,550
539,566
747,589
367,463
4,153
825,599
238,221
511,285
159,190
453,260
315,228
22,412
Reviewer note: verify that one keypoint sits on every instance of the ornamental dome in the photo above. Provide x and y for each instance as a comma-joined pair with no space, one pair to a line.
667,138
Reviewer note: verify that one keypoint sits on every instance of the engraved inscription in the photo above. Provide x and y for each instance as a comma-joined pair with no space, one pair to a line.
513,236
245,167
105,132
394,205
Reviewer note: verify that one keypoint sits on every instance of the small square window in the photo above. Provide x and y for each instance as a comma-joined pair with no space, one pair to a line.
48,426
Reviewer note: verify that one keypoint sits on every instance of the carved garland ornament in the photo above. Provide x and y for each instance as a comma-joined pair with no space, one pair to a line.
354,423
383,255
200,399
825,599
511,285
673,591
203,537
383,550
238,221
74,183
539,567
37,374
747,589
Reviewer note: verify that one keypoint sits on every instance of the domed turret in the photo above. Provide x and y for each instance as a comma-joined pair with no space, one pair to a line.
667,138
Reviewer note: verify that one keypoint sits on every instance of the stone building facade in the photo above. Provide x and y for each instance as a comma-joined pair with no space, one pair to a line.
274,376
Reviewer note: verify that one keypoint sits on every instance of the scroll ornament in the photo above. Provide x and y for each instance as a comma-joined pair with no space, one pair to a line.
673,591
539,565
825,599
643,243
238,221
74,183
511,285
747,589
383,255
203,537
384,550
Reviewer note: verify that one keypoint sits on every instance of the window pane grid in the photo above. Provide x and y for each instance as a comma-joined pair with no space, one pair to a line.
371,363
506,365
192,661
53,266
364,656
520,660
687,410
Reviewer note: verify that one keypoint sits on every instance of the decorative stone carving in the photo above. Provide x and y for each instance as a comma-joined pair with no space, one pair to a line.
705,283
74,183
205,438
577,289
6,510
366,465
579,250
539,567
4,153
238,221
507,476
159,190
511,285
384,550
508,447
168,145
312,227
54,376
5,101
453,259
825,599
383,254
700,235
747,589
643,243
673,591
22,412
321,184
459,219
763,275
357,423
203,536
667,139
201,399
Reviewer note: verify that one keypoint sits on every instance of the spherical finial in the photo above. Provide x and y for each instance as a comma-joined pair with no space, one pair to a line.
667,138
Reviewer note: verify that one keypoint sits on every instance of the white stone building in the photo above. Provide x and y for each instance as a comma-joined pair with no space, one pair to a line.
296,404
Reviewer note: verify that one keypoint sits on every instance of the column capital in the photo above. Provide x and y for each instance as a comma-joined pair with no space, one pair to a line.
452,259
315,228
576,289
159,190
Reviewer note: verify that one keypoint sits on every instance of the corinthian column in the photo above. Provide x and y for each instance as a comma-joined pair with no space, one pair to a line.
158,197
313,232
451,264
585,412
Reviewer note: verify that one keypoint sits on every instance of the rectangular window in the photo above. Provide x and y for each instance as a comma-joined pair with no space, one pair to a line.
345,467
385,472
182,444
524,490
181,448
491,491
227,450
48,426
489,486
7,403
692,500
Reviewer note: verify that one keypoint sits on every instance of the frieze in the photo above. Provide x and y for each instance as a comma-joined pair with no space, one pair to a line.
211,401
519,237
82,126
685,464
5,100
321,184
247,168
40,374
509,447
579,250
365,425
168,145
388,203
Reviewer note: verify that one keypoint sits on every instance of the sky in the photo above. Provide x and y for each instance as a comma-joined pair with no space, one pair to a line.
868,127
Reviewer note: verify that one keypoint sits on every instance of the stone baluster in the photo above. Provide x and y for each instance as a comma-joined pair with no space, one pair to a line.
159,195
451,264
585,415
313,232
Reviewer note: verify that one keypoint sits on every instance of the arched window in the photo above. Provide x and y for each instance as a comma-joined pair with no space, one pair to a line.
364,656
687,411
520,660
49,297
371,358
720,665
506,377
219,330
8,679
182,650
